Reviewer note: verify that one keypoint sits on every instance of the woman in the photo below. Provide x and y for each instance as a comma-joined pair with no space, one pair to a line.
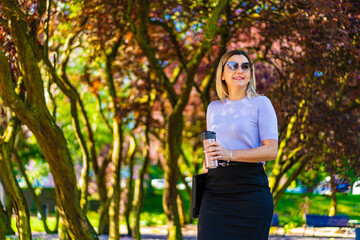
237,203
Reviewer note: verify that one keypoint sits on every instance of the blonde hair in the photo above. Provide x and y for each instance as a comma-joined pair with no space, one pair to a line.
221,87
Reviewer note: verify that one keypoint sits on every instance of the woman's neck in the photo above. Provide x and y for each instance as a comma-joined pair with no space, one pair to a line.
237,95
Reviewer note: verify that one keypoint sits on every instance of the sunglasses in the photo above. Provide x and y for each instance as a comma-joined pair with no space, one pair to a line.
233,66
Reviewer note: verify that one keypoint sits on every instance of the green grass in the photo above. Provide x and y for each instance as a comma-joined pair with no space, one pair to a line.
291,209
152,215
36,223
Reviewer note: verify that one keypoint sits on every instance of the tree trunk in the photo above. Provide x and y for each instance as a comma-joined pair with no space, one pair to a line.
181,208
130,183
100,171
8,205
6,170
103,227
333,204
5,223
139,190
36,199
71,92
62,231
84,193
114,211
20,205
117,145
104,223
278,193
38,119
181,201
137,206
139,183
173,149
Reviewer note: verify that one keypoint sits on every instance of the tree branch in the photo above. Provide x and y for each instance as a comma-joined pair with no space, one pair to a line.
36,199
303,160
4,22
208,80
46,45
173,40
12,6
142,37
176,74
186,160
98,98
292,160
68,49
210,34
41,7
115,48
7,91
27,58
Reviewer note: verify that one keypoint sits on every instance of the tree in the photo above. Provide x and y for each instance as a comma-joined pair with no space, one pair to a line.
33,194
317,91
8,130
5,223
6,170
36,116
177,101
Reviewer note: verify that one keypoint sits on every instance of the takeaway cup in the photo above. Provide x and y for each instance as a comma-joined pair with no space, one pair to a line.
208,137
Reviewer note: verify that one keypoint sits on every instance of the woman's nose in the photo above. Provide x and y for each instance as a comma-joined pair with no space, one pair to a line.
239,70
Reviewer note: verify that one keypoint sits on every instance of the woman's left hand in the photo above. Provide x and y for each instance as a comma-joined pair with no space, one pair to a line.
217,151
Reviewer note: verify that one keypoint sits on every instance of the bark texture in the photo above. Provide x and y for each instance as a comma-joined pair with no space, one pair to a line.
6,170
35,197
117,147
37,117
130,183
333,204
138,202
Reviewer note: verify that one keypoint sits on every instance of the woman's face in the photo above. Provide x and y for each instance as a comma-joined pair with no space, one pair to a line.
236,72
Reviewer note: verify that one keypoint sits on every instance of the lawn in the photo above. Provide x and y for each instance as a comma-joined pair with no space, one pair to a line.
291,210
292,207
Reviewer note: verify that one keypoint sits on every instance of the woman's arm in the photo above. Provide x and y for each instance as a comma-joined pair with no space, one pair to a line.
266,152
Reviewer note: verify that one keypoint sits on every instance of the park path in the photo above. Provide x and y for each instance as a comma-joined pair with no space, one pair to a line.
189,232
43,236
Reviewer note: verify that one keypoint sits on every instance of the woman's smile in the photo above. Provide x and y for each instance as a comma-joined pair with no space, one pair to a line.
238,78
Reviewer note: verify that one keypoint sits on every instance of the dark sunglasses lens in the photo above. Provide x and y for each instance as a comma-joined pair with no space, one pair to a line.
245,66
233,66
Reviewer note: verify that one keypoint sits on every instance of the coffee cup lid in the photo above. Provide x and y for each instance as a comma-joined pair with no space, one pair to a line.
207,135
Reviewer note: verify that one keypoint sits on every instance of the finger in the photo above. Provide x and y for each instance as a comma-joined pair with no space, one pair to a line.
211,145
212,149
214,154
209,149
213,158
215,151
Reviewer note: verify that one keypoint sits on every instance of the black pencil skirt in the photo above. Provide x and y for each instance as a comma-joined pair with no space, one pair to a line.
237,204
